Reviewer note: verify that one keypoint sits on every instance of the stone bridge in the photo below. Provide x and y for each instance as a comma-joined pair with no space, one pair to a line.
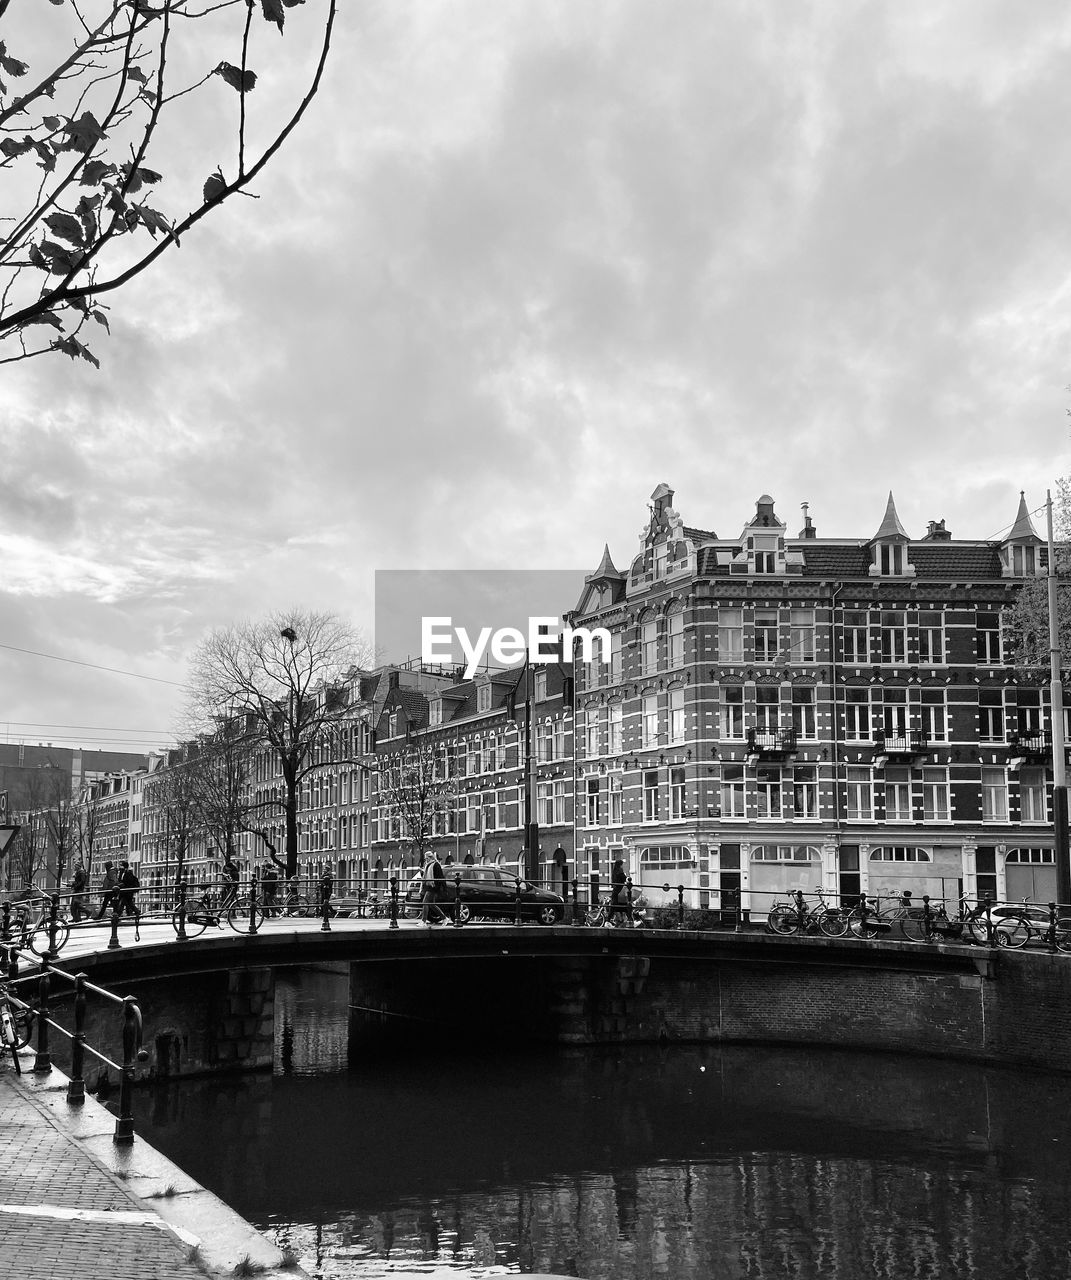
208,1004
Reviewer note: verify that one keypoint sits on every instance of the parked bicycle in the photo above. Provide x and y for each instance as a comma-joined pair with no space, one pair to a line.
932,923
632,915
208,908
16,1024
799,917
31,920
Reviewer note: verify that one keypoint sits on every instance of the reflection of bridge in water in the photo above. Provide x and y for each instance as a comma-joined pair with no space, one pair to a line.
208,1004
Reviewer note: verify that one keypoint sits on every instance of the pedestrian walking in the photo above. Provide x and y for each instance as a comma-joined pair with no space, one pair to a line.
618,890
109,891
434,891
129,884
270,888
230,884
79,885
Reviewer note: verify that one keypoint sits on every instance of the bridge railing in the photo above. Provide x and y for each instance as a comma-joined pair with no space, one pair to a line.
32,995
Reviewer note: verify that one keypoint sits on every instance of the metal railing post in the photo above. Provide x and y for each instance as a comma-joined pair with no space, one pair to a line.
113,941
628,898
680,906
180,911
53,927
253,903
42,1064
926,916
800,908
5,928
1052,926
988,920
457,900
517,903
576,901
393,902
132,1052
76,1086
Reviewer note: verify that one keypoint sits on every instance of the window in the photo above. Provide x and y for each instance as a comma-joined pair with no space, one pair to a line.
935,804
857,715
891,558
987,637
675,639
593,673
669,857
1028,720
785,853
764,554
1033,857
803,720
934,715
767,698
678,807
1022,561
614,800
615,656
676,714
990,715
591,811
594,731
899,853
539,687
801,623
898,794
931,638
994,796
649,646
615,792
1032,795
732,711
731,635
483,697
650,720
860,793
768,791
856,646
550,799
616,710
765,635
435,711
650,795
893,636
732,791
805,791
894,714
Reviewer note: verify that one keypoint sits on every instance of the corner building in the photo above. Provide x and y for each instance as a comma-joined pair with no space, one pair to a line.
784,713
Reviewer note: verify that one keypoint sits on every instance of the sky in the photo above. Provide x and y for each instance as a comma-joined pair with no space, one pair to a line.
522,261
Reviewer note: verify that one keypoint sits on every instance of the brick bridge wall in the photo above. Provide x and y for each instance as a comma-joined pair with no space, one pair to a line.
1021,1015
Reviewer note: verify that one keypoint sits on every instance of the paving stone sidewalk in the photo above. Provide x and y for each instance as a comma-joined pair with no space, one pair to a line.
63,1214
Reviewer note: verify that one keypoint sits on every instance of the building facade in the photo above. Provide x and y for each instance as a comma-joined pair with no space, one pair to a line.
784,713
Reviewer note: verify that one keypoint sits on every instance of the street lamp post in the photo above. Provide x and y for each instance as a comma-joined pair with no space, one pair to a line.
1056,715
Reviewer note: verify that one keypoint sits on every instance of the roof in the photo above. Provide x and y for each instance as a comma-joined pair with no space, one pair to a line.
890,525
1023,529
606,569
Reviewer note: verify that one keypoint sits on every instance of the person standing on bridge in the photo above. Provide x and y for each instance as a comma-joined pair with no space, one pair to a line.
129,884
434,891
79,884
618,889
269,882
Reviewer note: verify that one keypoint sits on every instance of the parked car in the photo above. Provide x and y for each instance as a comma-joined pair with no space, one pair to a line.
489,892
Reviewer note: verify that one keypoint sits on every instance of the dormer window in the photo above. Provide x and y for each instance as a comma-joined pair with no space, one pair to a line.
539,690
891,559
889,547
435,711
392,725
483,697
763,554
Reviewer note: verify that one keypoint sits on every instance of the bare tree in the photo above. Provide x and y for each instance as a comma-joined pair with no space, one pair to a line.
79,140
31,848
61,827
417,787
1027,622
173,792
285,679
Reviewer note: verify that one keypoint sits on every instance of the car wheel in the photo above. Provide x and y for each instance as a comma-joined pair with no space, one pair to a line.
547,914
464,912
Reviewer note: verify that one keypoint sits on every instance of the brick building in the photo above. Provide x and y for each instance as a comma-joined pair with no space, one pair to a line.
786,712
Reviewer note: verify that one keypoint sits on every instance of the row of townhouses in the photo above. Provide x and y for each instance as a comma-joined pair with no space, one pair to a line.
774,713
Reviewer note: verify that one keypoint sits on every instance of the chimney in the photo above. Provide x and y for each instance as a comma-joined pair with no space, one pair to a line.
936,532
392,679
808,530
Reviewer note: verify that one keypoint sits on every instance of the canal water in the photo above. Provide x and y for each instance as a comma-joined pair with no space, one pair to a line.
685,1162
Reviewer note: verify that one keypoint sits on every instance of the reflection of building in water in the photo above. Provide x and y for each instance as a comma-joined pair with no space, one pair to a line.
311,1022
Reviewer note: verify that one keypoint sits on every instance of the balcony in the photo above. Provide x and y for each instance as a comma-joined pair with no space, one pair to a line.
770,744
899,746
1031,748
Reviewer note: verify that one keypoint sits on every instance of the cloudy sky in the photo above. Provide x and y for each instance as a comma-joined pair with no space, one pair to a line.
524,260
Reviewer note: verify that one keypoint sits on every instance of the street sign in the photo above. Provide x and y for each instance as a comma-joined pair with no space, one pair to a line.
8,832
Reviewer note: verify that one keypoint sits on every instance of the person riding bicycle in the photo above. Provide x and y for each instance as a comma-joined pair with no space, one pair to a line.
230,884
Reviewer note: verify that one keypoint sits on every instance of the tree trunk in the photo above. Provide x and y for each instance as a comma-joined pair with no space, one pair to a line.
291,831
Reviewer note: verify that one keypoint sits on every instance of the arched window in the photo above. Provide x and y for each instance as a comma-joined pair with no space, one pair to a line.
900,853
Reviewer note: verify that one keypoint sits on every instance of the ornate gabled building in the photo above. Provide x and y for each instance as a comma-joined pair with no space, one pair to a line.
785,712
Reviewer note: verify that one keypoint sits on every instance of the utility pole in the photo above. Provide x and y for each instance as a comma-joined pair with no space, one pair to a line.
1056,716
531,818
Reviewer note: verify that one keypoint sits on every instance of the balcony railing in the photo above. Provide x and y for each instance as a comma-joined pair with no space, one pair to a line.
912,742
1038,743
771,742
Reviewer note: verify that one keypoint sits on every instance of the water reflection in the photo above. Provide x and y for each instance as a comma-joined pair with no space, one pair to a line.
644,1163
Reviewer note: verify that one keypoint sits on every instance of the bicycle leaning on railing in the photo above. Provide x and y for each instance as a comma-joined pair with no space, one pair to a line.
207,907
798,916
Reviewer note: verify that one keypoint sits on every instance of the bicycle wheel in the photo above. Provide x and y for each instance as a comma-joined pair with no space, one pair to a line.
833,922
595,917
867,927
198,918
242,916
24,1025
783,920
913,927
1063,935
1012,932
978,932
39,939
